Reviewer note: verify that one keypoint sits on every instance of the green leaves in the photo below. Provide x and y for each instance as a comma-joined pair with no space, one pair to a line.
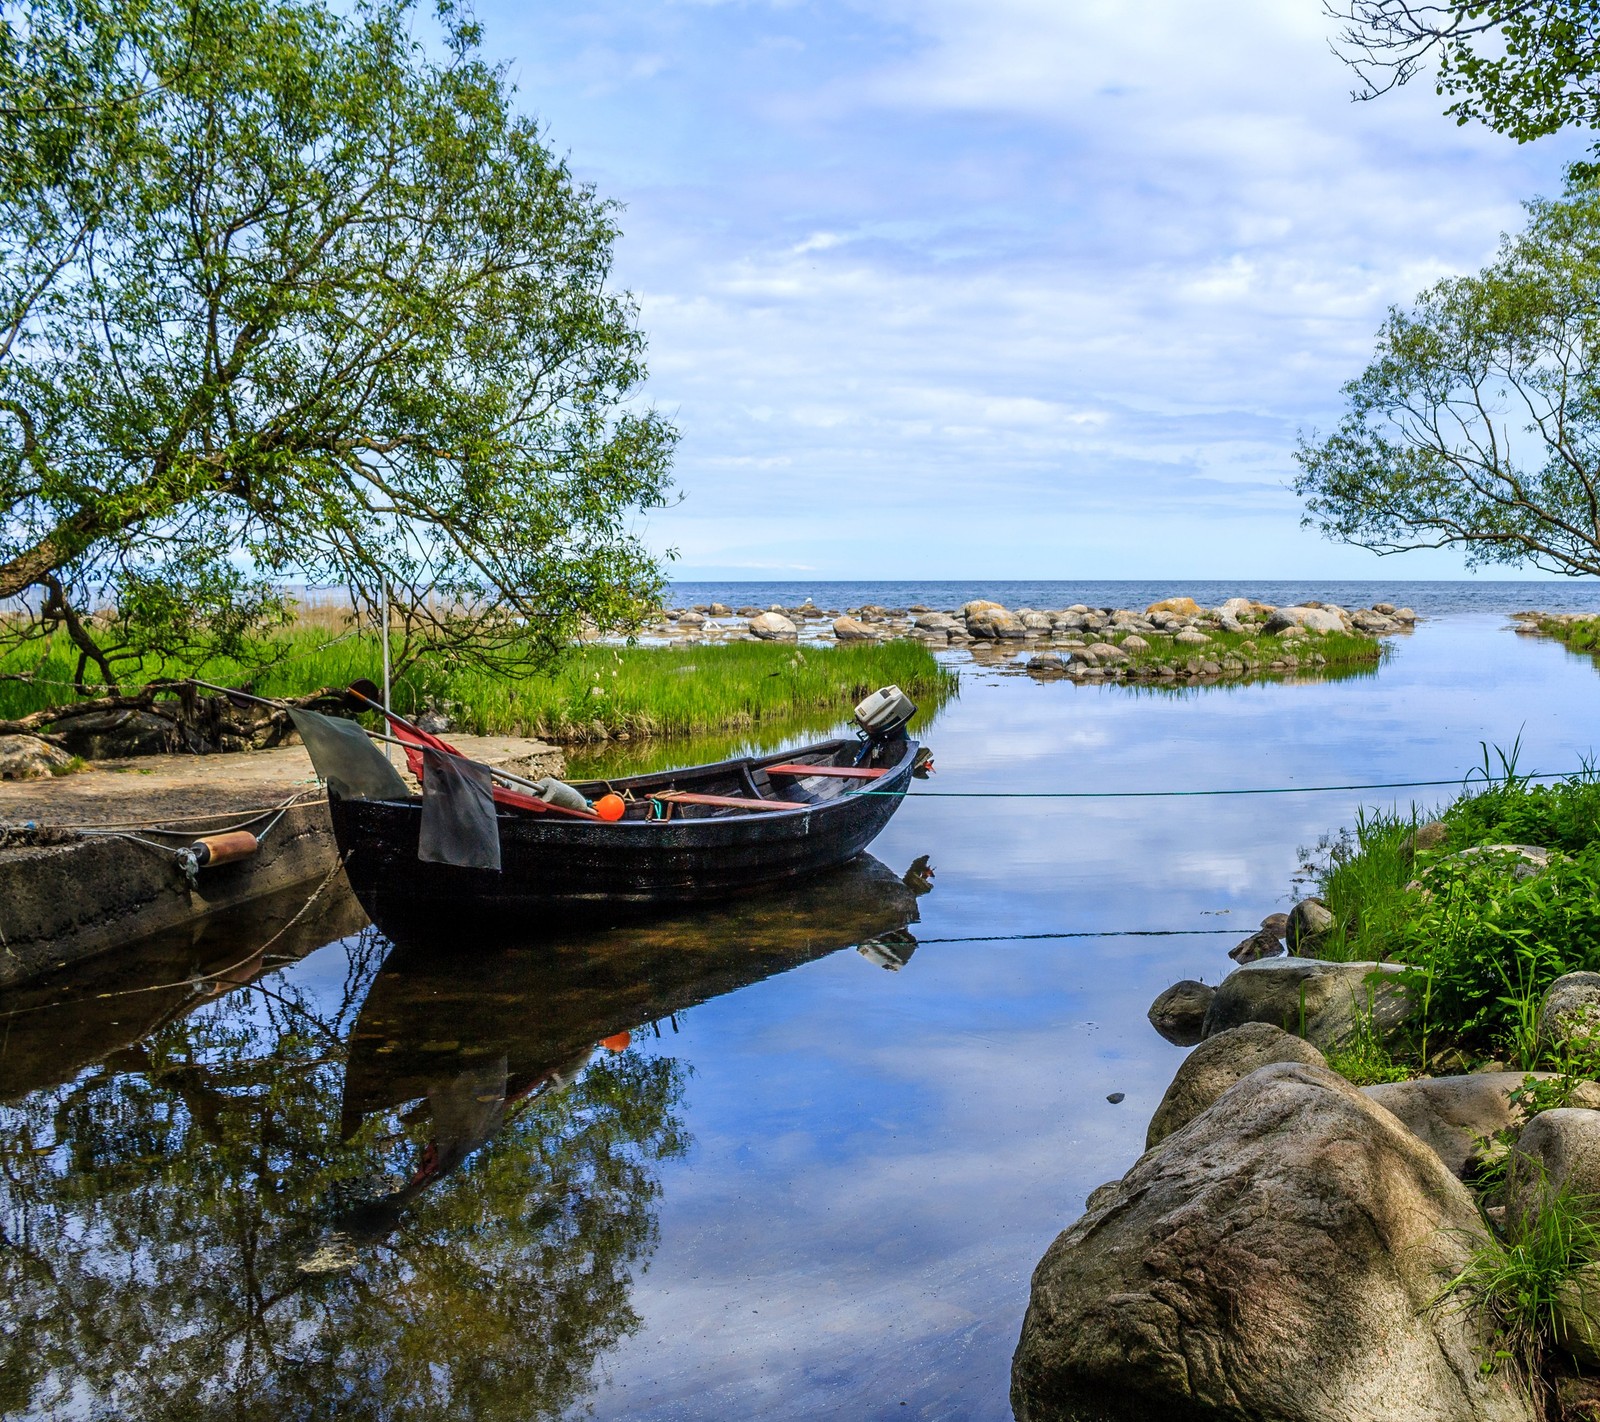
1477,424
282,286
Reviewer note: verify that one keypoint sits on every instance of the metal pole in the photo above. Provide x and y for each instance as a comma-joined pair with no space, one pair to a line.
383,583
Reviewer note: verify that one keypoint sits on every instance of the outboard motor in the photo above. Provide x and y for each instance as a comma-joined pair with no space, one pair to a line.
883,715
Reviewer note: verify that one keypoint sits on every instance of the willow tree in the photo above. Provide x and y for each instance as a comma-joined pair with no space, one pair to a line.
287,294
1477,424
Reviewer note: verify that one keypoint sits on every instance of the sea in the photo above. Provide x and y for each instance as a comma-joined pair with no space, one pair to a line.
1426,598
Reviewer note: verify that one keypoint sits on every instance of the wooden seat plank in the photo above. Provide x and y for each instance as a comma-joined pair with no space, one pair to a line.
842,772
727,802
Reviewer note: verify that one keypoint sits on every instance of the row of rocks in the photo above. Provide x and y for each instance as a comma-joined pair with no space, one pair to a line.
1284,1246
1182,619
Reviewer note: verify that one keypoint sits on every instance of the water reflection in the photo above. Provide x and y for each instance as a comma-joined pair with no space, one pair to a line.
380,1183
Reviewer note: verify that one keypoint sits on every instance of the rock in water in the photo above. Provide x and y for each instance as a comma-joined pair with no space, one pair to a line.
1182,606
1263,943
850,629
772,626
1309,922
1326,1003
1214,1066
994,623
1179,1013
1276,1258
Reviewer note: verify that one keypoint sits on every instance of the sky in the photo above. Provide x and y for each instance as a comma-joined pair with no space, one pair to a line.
1005,288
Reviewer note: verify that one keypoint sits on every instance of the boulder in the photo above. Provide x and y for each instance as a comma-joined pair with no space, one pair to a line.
1182,606
1083,657
691,619
1107,652
1311,619
1310,922
1179,1013
720,609
1326,1003
1428,835
1456,1116
1133,642
938,622
1191,638
849,629
1569,1015
1274,1259
979,605
1260,944
1236,607
1526,861
995,623
28,757
1214,1066
1046,663
1406,615
1277,923
1038,622
1557,1150
771,626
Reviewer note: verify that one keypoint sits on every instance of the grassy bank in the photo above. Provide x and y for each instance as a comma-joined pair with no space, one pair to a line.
1246,654
1580,634
1482,932
597,693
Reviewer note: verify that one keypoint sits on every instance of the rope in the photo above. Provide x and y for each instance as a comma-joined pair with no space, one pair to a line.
1094,933
1176,794
160,827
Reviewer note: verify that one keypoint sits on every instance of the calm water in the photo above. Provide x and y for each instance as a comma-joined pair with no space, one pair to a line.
1431,599
723,1167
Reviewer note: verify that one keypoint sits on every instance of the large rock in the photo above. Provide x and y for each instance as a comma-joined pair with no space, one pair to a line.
1181,606
1179,1013
772,626
849,629
1277,1259
1104,652
28,757
1312,619
1189,637
994,623
1569,1015
1557,1150
1263,943
1214,1066
1457,1116
1525,861
1237,607
1309,923
1326,1003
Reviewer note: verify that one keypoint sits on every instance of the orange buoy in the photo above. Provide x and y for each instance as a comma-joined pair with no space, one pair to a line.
610,807
617,1041
214,849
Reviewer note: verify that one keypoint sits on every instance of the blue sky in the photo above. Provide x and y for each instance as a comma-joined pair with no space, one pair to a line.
1005,288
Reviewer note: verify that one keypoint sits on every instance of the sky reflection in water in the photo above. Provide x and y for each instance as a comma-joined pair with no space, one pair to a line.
840,1177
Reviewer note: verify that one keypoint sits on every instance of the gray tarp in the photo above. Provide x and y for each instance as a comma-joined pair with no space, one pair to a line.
459,825
353,767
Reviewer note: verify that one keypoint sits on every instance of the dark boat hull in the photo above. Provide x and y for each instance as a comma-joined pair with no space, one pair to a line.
561,872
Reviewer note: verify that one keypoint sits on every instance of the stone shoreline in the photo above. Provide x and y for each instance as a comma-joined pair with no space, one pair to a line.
1175,638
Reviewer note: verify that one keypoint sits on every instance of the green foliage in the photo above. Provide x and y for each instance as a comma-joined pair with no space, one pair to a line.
1480,936
597,692
1478,422
1255,651
1525,68
281,291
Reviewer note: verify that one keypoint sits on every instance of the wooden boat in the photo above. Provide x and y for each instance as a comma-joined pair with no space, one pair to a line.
685,837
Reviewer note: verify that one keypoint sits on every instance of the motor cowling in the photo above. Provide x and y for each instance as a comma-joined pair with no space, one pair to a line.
885,713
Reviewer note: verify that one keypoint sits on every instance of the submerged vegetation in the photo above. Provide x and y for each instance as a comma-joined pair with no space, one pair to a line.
597,693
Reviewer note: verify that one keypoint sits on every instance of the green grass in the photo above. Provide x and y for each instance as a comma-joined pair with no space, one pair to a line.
1253,653
595,694
1480,941
1581,636
1519,1281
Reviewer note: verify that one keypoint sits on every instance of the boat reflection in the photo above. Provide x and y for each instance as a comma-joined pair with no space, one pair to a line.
455,1041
